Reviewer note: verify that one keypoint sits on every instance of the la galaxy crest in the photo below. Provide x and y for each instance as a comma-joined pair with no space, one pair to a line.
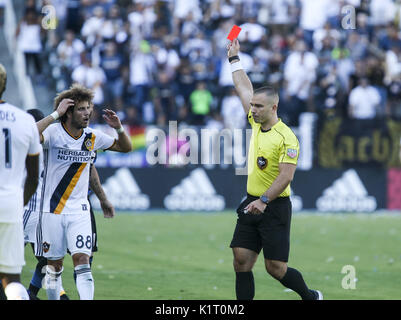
46,246
88,145
88,142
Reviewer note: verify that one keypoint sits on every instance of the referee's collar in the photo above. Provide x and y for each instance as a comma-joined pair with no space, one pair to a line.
264,131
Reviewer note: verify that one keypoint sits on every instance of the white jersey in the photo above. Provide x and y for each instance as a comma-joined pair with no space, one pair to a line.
19,137
66,168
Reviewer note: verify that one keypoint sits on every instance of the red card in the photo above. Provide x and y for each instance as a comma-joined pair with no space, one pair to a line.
234,33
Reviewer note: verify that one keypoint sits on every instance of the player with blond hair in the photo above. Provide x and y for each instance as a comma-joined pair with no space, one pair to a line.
19,151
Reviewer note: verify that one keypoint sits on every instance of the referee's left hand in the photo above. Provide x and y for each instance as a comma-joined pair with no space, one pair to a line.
256,207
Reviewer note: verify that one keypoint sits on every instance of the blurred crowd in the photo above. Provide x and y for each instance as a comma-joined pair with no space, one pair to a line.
153,61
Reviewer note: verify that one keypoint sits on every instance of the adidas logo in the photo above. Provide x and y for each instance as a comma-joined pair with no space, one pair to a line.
346,194
123,192
195,192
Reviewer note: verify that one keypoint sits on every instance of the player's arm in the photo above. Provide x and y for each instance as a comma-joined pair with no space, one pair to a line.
242,84
96,187
47,121
123,143
286,175
32,177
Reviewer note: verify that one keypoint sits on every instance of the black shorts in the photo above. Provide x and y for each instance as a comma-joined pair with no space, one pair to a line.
94,231
269,230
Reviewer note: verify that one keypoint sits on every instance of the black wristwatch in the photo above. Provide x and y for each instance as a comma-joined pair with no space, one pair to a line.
264,199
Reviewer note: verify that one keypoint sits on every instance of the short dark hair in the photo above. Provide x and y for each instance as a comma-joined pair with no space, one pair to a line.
268,90
36,113
76,92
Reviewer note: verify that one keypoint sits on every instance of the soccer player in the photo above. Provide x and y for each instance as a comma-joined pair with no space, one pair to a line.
31,213
19,150
69,146
264,217
30,221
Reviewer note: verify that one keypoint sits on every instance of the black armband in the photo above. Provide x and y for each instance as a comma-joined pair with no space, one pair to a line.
230,59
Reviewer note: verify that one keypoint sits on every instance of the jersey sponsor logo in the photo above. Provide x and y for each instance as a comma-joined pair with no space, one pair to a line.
292,153
262,162
123,192
347,194
195,192
74,155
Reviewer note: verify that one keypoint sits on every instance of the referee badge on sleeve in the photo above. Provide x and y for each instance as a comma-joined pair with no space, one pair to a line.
292,153
262,163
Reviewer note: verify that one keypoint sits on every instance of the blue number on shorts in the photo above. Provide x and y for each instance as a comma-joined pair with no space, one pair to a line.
80,241
88,242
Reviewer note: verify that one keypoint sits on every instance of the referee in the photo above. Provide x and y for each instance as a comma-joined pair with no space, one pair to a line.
264,217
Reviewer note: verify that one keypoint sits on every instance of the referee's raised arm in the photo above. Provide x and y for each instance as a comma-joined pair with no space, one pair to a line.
241,81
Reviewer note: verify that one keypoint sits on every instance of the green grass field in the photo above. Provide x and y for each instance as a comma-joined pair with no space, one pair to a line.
160,255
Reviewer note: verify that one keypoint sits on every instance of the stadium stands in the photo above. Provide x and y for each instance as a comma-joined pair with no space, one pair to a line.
162,49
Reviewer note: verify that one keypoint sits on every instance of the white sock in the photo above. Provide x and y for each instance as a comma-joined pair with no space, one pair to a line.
85,284
16,291
53,283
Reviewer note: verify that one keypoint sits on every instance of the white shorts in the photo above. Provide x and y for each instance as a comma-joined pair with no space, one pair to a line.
11,248
60,232
30,222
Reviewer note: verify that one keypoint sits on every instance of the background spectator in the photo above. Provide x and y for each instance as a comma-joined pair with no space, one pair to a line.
112,64
363,101
93,77
299,74
29,33
152,54
201,100
69,53
232,111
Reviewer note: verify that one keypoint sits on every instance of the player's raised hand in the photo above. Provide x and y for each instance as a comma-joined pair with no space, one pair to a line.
123,143
111,118
64,105
107,208
233,48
